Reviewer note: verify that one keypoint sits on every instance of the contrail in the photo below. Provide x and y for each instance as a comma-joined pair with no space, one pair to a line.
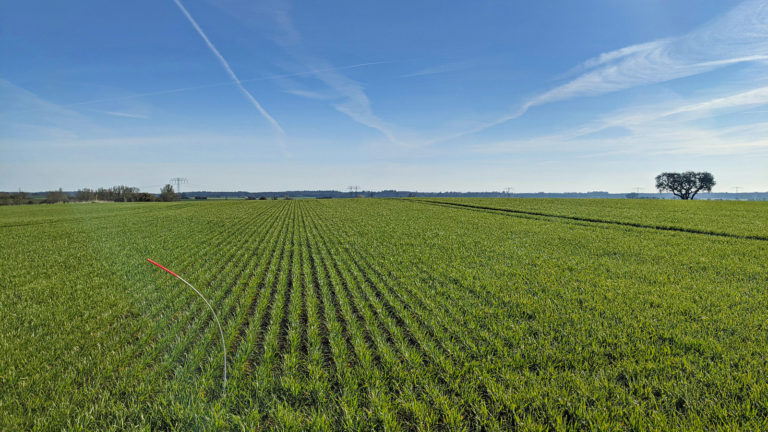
229,70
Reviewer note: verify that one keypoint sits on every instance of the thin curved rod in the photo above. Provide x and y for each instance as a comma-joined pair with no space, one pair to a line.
221,332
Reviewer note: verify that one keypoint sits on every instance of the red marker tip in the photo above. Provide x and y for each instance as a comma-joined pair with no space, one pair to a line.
162,267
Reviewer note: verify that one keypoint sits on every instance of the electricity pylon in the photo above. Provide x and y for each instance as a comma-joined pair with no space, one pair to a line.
178,181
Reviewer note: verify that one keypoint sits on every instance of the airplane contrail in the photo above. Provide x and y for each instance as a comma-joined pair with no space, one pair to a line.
229,70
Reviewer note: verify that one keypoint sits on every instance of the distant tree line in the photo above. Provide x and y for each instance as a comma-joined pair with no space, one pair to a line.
118,193
15,198
325,194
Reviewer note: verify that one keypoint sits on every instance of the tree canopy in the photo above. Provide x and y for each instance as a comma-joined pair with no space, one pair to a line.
167,194
685,185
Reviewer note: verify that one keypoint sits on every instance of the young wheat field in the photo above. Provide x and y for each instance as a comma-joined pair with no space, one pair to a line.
371,314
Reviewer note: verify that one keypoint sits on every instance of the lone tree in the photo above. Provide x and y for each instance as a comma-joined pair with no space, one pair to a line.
685,185
167,194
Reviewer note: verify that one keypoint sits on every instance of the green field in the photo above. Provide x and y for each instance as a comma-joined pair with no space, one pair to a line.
365,314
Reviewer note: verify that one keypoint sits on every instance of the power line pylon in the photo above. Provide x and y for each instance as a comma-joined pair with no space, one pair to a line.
178,181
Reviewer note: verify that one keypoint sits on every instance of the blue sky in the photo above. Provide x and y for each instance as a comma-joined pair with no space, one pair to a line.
431,95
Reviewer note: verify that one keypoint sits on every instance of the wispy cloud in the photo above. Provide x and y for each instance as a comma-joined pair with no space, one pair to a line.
229,70
664,128
127,115
354,101
740,36
128,142
202,87
640,116
615,55
758,96
55,121
440,69
15,100
309,94
656,139
327,69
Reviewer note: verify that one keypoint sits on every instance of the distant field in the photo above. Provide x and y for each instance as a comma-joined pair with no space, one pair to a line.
359,314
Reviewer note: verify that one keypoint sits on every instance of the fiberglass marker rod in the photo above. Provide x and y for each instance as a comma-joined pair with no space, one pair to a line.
221,332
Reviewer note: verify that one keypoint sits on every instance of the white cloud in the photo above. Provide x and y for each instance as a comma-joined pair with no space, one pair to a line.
309,94
664,128
741,35
27,109
16,100
440,69
51,121
616,55
758,96
127,115
657,140
640,117
354,101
